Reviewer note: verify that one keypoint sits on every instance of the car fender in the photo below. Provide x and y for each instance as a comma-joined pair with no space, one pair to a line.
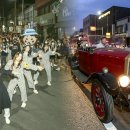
108,80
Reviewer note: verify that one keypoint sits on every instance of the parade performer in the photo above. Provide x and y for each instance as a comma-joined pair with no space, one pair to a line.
44,59
17,68
29,40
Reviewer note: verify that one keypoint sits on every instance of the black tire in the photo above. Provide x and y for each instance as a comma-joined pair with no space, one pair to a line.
102,102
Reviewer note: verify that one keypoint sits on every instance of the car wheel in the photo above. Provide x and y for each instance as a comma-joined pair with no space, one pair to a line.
102,102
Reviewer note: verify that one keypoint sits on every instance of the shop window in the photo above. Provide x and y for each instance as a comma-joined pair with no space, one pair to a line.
47,9
120,29
126,27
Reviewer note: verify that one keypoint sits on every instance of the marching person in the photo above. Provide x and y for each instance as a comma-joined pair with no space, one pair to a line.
59,58
28,61
44,56
17,68
53,47
35,50
5,103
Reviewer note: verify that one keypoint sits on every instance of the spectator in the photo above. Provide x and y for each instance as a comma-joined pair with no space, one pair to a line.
4,53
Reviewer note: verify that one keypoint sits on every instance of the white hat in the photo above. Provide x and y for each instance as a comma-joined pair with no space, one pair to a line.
29,32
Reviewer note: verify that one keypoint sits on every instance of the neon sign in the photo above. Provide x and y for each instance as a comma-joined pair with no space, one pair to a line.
103,15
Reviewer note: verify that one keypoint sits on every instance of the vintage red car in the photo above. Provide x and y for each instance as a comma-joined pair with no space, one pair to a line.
108,69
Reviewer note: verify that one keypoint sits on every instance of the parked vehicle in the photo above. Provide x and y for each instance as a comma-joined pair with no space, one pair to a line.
108,69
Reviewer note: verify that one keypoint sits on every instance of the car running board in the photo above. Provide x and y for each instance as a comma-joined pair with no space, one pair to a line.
79,76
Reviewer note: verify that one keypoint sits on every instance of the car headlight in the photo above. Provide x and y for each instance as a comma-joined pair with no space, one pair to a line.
124,81
105,70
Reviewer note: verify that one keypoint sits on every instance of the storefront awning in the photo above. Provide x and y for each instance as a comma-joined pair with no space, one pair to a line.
46,19
65,24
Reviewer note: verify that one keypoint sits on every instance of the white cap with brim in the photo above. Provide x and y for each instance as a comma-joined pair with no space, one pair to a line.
29,31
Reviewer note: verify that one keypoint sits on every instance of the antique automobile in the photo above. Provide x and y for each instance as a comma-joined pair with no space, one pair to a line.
108,72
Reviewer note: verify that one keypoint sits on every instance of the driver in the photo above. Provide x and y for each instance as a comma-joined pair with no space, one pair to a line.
103,43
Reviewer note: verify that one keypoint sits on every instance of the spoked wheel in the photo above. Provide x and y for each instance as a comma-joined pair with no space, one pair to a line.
102,102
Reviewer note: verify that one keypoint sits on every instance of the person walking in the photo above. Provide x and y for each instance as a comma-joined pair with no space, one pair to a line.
44,56
16,66
28,61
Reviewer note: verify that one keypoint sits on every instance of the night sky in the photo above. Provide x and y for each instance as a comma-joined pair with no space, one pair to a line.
86,7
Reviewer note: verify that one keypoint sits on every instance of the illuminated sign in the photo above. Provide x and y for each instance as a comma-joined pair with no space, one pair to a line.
92,28
66,12
103,15
108,35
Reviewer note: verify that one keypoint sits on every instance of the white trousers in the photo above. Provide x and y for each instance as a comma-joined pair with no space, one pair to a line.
48,73
29,78
21,84
7,112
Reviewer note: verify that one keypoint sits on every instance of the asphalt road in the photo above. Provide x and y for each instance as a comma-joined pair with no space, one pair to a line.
63,106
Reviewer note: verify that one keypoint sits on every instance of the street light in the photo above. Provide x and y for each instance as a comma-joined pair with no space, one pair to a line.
107,24
15,14
22,11
56,9
99,13
2,16
74,28
15,17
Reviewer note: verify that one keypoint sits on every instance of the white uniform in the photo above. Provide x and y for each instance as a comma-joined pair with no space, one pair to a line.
27,72
100,45
45,62
18,80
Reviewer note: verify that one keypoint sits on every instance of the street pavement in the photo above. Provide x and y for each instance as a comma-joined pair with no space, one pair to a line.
62,106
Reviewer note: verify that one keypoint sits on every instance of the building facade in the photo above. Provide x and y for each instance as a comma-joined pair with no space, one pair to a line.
66,19
123,29
89,24
47,17
56,18
107,20
20,18
111,23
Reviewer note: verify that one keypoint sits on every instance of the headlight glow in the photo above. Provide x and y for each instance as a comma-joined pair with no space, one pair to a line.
105,70
124,81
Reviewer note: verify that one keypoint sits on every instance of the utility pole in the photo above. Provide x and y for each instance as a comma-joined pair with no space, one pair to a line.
15,15
107,23
102,31
22,12
3,17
